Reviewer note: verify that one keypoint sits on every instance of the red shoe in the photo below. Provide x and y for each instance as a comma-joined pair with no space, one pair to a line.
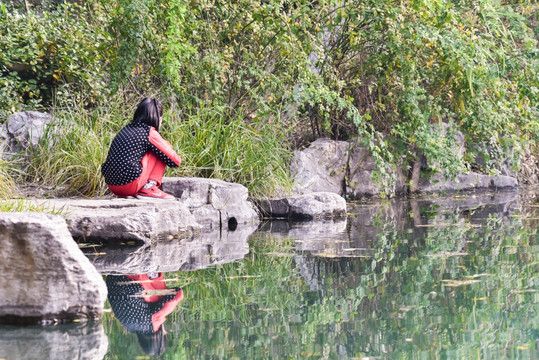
154,192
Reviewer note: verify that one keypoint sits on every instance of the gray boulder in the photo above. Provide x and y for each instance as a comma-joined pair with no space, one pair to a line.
23,130
320,168
503,182
45,276
77,341
312,206
215,204
466,182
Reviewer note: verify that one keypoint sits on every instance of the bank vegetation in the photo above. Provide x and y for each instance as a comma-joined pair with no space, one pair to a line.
245,82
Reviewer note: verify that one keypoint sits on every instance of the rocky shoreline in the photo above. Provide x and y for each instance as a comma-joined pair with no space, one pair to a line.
44,268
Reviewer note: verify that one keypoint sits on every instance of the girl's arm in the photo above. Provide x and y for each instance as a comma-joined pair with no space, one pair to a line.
163,149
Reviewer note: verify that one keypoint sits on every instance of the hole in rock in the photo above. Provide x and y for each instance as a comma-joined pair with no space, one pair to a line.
232,224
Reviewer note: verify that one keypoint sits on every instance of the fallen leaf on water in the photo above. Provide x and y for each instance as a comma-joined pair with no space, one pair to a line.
327,255
477,275
447,254
83,246
435,225
455,283
523,291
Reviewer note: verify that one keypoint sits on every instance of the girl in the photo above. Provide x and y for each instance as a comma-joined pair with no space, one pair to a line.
138,155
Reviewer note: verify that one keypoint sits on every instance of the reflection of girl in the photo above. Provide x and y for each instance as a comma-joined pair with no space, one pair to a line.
143,314
138,155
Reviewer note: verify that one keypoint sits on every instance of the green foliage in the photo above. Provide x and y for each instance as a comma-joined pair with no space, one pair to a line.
215,145
19,205
7,182
51,54
404,76
416,64
69,157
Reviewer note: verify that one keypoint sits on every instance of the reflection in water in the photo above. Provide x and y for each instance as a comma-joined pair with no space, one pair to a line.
443,278
141,303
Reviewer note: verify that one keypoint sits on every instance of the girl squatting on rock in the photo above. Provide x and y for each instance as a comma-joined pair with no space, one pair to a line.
138,155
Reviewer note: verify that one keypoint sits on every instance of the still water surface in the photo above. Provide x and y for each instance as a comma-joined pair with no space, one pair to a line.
434,278
437,278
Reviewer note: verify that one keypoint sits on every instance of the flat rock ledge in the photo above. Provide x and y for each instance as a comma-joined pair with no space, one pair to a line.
45,276
467,182
202,206
312,206
120,220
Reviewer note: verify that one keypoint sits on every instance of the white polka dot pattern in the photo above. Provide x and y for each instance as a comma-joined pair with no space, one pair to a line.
123,164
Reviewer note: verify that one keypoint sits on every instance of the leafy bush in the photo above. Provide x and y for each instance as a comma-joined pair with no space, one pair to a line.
413,65
389,72
51,54
68,158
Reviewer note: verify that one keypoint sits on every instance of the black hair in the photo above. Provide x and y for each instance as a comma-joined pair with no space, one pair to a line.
154,343
149,111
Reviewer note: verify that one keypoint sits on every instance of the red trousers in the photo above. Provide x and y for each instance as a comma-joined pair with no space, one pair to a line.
153,168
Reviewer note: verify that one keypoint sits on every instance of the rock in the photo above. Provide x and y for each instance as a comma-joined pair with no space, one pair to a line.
23,130
361,184
470,181
45,276
312,206
503,181
359,179
118,219
82,341
173,254
274,208
320,168
215,204
320,205
466,182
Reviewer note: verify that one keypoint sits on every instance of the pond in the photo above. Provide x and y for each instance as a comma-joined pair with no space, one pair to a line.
439,277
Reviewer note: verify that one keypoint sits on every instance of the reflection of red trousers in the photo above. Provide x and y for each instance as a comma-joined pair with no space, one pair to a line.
153,168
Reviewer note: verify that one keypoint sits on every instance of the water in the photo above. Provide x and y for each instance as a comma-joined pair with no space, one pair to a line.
436,278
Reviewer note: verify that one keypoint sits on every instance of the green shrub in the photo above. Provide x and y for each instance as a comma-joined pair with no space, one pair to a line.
51,54
214,145
389,72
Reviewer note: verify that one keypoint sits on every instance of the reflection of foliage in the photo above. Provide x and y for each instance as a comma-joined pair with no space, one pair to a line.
395,304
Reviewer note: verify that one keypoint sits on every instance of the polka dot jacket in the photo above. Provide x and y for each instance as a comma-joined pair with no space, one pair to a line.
133,312
123,164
